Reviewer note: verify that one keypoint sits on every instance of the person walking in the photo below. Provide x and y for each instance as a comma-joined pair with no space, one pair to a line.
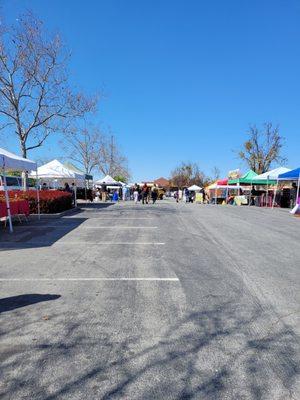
176,195
154,193
145,193
136,195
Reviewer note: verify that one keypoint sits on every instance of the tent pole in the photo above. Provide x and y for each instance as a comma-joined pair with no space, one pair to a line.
298,188
226,193
38,195
75,194
250,195
267,194
275,192
7,202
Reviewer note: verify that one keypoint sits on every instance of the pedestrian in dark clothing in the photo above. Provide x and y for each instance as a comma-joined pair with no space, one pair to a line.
154,193
145,193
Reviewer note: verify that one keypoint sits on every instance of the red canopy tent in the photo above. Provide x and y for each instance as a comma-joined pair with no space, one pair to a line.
222,182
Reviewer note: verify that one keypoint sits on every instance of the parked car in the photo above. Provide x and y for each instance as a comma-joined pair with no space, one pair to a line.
12,182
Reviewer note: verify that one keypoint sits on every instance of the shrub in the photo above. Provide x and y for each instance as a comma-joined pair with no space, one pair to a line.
51,201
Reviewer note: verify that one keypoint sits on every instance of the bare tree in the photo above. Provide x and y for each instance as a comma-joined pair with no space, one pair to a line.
112,162
215,173
262,148
187,174
35,96
85,147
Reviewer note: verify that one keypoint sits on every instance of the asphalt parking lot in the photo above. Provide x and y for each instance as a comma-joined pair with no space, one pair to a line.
152,302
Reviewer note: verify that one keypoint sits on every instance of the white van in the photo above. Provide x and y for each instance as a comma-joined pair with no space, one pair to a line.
12,182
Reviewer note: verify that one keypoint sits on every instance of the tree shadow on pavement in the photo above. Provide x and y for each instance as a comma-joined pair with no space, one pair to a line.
11,303
216,353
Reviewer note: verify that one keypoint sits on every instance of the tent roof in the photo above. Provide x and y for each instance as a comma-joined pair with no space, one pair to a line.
248,177
72,167
9,160
230,187
273,174
107,180
222,181
55,169
292,175
194,188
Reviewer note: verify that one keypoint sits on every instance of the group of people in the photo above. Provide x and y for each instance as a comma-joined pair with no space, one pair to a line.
145,193
189,196
138,193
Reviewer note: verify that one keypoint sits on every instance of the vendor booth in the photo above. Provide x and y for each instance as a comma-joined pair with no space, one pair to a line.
292,176
10,161
268,179
55,175
221,194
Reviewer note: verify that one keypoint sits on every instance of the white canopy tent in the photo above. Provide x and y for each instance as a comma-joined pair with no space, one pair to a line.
12,161
194,188
272,175
55,170
109,181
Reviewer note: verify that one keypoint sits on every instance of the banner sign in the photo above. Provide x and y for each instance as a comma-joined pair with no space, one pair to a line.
234,174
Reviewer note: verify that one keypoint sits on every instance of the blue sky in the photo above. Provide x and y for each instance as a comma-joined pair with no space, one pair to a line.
182,79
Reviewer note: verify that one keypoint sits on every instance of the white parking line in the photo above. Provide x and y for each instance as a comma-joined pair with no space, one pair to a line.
88,227
9,245
85,279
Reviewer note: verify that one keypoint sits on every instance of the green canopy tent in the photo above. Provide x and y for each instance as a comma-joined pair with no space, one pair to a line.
251,178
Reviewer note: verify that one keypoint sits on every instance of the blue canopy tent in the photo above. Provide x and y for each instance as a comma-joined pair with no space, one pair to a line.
293,175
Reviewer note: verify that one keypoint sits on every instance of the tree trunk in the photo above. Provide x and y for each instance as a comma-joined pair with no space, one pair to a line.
24,173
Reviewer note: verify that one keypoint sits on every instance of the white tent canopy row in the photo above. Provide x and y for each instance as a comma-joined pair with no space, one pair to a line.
9,161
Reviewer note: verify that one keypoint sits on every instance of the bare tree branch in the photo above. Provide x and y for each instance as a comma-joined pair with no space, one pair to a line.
35,95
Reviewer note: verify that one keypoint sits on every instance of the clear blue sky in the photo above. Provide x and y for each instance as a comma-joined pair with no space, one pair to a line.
182,79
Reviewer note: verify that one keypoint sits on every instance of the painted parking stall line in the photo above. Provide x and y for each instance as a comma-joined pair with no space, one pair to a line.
87,279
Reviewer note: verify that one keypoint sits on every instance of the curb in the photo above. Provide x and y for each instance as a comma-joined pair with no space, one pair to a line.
58,215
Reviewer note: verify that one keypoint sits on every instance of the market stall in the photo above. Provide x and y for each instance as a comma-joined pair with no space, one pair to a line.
55,174
10,161
221,193
270,178
292,176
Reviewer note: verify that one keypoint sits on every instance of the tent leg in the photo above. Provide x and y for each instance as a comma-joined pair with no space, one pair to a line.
75,194
7,202
298,189
275,192
38,196
250,195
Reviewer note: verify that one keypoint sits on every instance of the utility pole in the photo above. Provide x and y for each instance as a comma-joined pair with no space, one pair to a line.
111,156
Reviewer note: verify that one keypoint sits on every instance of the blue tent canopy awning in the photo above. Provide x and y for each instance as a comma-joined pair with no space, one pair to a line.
293,175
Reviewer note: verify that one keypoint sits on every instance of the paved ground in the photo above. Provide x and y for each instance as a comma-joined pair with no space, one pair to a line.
155,302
